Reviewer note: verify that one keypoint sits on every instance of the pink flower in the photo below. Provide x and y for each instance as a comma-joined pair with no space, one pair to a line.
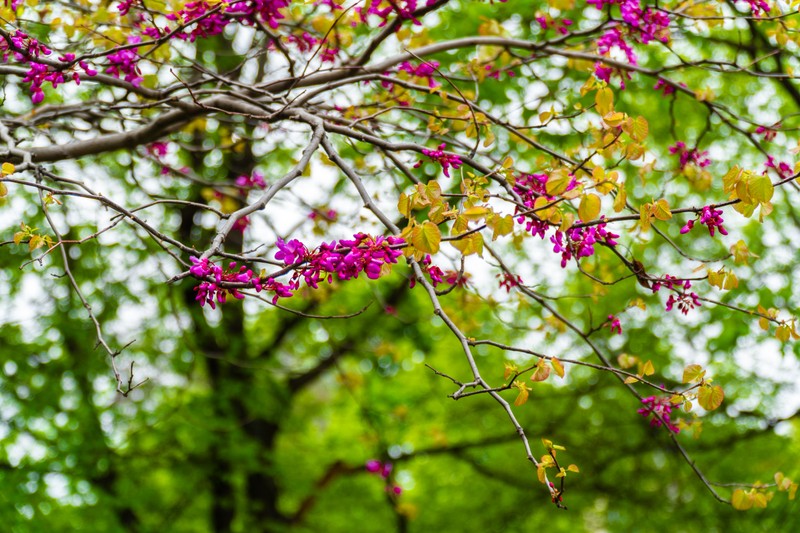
444,159
424,70
689,156
509,280
661,407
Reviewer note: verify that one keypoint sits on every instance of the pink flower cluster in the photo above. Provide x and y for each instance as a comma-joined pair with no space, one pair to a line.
580,241
25,49
647,24
615,324
769,133
126,62
207,19
662,85
423,70
661,407
709,217
254,181
210,292
508,281
444,159
612,38
438,276
759,7
670,282
495,73
643,26
529,187
330,215
561,26
383,470
686,301
206,22
346,258
784,169
687,156
403,8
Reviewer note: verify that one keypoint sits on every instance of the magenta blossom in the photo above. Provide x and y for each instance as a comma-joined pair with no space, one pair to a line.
423,70
661,407
689,156
444,159
579,242
710,218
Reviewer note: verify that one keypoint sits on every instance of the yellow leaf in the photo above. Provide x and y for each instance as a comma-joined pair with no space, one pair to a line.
661,210
741,501
476,213
522,397
502,226
619,201
604,99
542,371
631,379
693,373
589,208
647,369
710,397
426,237
640,129
404,205
3,190
614,119
510,369
557,366
760,500
557,183
7,169
471,244
627,361
573,468
760,189
35,242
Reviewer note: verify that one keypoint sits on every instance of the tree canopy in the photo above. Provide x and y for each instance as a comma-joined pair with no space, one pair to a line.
275,265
